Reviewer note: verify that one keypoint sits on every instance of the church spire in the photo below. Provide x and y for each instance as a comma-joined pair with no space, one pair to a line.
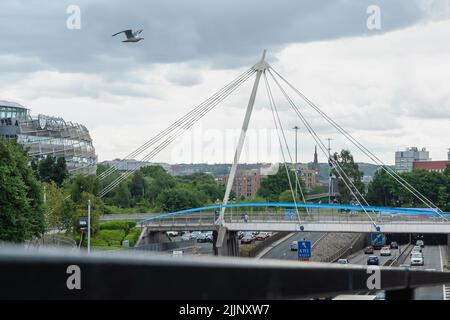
316,161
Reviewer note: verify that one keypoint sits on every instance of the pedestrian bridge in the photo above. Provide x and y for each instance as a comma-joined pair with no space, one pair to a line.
311,217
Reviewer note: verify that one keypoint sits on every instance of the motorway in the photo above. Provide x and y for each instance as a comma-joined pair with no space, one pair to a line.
434,259
361,258
283,250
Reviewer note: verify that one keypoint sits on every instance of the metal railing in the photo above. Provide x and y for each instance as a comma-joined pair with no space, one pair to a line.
59,275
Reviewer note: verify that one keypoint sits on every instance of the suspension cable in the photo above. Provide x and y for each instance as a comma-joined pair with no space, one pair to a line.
272,104
323,148
403,182
178,123
179,131
275,113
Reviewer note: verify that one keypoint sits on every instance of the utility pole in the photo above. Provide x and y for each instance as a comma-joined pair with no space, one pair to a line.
330,180
296,159
89,227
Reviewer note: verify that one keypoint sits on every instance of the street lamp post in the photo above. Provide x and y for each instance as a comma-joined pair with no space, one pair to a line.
330,180
89,226
296,159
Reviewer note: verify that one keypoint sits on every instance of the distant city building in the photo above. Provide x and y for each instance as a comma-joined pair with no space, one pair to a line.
45,135
436,166
132,164
310,177
404,159
246,183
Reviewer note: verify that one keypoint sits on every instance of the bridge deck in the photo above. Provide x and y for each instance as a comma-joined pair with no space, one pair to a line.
316,221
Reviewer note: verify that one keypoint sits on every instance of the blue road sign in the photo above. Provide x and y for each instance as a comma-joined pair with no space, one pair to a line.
304,249
378,239
289,214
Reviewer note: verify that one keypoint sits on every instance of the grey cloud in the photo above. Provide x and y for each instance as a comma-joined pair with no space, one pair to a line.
184,78
221,33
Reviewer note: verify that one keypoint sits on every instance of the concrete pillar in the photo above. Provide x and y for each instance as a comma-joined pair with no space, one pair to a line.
225,243
448,247
154,237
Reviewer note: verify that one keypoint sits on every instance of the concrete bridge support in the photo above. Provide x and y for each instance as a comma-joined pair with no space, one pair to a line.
448,246
148,237
225,243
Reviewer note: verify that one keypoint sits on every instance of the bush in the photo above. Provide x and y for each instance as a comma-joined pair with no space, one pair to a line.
133,236
110,237
117,225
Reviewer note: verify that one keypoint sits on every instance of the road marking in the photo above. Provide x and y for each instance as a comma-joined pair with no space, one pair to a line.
445,288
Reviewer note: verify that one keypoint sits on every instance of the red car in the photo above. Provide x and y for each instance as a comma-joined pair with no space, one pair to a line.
246,240
261,236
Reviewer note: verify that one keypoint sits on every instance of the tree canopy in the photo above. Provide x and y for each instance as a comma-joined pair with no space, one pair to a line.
21,207
348,175
277,184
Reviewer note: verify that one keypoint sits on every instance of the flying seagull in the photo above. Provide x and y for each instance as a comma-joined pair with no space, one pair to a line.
131,36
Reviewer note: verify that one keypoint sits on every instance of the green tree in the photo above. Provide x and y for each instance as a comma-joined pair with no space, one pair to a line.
348,174
272,186
21,208
79,184
52,169
137,186
383,190
122,196
179,198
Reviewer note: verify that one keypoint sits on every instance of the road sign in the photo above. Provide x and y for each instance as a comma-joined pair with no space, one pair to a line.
289,214
83,223
304,249
378,239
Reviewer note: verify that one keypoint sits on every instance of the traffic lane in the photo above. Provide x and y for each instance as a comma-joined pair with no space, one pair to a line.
283,250
432,260
361,258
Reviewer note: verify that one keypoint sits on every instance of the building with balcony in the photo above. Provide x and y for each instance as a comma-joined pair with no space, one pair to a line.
46,135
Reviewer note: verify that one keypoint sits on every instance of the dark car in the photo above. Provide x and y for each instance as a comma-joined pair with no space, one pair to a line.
373,261
394,245
202,238
368,250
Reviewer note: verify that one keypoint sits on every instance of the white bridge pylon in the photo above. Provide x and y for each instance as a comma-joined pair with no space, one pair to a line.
260,67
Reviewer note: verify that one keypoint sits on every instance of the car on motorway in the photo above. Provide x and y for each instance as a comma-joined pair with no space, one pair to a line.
420,243
195,234
373,261
416,249
394,245
186,236
261,236
343,261
246,240
201,238
417,259
368,250
294,246
385,251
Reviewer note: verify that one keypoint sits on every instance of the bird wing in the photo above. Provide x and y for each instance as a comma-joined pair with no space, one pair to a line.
137,32
128,33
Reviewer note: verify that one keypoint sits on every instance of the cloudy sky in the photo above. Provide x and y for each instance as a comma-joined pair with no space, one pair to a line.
389,87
